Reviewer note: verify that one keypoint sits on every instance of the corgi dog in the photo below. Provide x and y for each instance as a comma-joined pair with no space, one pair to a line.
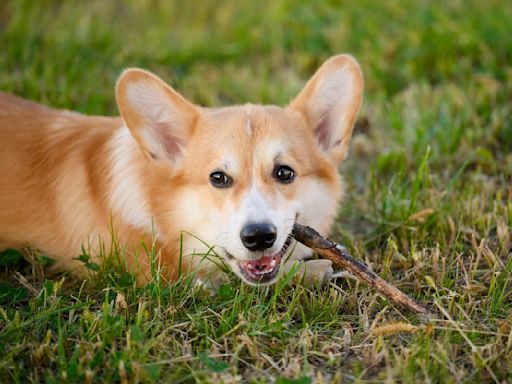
197,185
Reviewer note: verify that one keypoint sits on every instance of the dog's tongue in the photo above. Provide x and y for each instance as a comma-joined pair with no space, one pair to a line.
264,264
261,264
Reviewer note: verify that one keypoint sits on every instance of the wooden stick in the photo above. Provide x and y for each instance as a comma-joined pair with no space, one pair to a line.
328,249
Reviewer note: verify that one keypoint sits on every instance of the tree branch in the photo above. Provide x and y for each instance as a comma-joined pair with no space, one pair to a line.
328,249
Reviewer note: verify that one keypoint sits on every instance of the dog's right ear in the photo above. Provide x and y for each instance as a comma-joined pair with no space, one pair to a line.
159,118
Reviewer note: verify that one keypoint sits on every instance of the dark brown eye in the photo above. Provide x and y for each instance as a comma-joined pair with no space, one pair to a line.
284,174
220,180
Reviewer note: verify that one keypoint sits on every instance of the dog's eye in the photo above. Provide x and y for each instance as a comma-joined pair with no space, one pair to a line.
220,180
284,174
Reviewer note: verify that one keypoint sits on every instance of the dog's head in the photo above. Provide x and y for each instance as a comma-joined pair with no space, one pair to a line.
238,178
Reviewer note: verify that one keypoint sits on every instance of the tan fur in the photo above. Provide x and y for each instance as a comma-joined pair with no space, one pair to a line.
68,179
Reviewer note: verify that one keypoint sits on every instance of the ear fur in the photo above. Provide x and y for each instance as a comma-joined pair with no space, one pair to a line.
159,118
330,101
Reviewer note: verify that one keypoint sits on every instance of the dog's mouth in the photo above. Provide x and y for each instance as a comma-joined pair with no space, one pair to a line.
265,269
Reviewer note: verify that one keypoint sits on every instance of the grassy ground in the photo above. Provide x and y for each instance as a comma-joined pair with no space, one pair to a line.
429,194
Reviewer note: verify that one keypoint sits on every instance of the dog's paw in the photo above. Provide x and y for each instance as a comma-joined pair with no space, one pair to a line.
317,271
310,272
212,282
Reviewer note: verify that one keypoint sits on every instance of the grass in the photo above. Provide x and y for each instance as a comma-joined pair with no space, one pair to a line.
429,202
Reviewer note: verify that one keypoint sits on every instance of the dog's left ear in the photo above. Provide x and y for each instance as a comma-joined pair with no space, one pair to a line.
330,101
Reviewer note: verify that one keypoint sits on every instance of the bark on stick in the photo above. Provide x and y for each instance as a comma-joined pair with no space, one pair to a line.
328,249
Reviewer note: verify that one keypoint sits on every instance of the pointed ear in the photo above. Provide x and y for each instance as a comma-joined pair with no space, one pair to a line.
330,101
159,118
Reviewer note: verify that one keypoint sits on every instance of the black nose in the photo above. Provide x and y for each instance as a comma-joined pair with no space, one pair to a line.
257,237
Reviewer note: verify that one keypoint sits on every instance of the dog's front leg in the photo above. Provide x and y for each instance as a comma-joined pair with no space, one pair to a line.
310,272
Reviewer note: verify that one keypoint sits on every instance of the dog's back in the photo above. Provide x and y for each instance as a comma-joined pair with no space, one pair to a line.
49,162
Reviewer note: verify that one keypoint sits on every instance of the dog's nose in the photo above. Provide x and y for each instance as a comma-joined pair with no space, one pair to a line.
257,237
